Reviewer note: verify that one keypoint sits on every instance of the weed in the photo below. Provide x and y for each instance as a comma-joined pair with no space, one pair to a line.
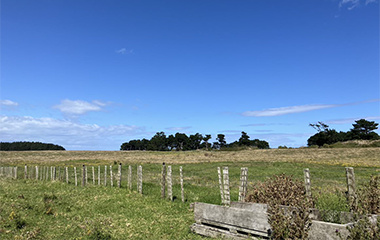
331,205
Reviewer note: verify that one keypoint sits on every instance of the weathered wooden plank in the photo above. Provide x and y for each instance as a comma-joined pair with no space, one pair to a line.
251,220
226,184
218,233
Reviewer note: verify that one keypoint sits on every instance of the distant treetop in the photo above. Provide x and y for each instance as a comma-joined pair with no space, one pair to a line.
29,146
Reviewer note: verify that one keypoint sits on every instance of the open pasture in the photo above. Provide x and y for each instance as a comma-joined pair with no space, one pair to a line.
31,209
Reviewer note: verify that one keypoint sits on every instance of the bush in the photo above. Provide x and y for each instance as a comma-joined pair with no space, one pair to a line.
293,223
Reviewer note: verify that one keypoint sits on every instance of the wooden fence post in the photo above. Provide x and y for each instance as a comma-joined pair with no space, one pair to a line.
140,179
99,175
163,180
130,177
105,175
54,173
221,185
36,172
226,183
26,172
119,176
76,176
67,175
47,173
351,194
85,167
243,184
181,180
111,176
170,183
306,174
51,173
15,172
83,175
59,173
93,175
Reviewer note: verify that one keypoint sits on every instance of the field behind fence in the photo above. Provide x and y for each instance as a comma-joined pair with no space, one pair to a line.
126,212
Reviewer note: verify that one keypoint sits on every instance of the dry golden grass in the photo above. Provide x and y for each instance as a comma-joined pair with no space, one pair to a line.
331,156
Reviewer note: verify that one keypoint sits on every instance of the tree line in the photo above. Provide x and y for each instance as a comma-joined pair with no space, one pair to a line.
182,142
361,130
28,146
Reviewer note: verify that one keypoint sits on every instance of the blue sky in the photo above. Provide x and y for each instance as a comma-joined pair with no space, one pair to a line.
90,75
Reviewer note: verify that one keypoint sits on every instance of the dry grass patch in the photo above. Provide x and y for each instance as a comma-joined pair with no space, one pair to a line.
369,157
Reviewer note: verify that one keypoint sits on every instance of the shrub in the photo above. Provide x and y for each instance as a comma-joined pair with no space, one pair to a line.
292,223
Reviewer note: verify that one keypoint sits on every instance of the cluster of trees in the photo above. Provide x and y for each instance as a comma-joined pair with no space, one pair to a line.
362,130
182,142
28,146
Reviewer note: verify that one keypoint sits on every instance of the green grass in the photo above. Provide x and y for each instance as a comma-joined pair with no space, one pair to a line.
31,209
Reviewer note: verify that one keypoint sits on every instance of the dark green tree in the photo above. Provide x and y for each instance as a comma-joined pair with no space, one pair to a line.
221,138
244,139
158,142
364,130
181,141
206,139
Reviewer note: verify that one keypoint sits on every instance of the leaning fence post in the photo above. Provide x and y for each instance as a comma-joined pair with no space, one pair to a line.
226,183
351,195
105,175
243,184
119,176
181,180
306,174
93,175
170,184
221,185
76,176
163,180
130,177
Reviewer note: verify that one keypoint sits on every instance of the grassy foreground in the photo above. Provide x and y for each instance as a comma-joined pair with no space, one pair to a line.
31,209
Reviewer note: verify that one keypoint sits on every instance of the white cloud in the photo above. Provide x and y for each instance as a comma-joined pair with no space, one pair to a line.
287,110
350,120
8,103
270,112
351,4
69,134
121,51
177,128
79,107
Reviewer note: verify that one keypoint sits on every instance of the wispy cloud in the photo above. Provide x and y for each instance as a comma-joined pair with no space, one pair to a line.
178,128
351,4
124,51
67,133
350,120
265,124
79,107
8,103
270,112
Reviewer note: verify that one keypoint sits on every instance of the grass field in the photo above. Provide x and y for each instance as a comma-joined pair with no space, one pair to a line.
31,209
